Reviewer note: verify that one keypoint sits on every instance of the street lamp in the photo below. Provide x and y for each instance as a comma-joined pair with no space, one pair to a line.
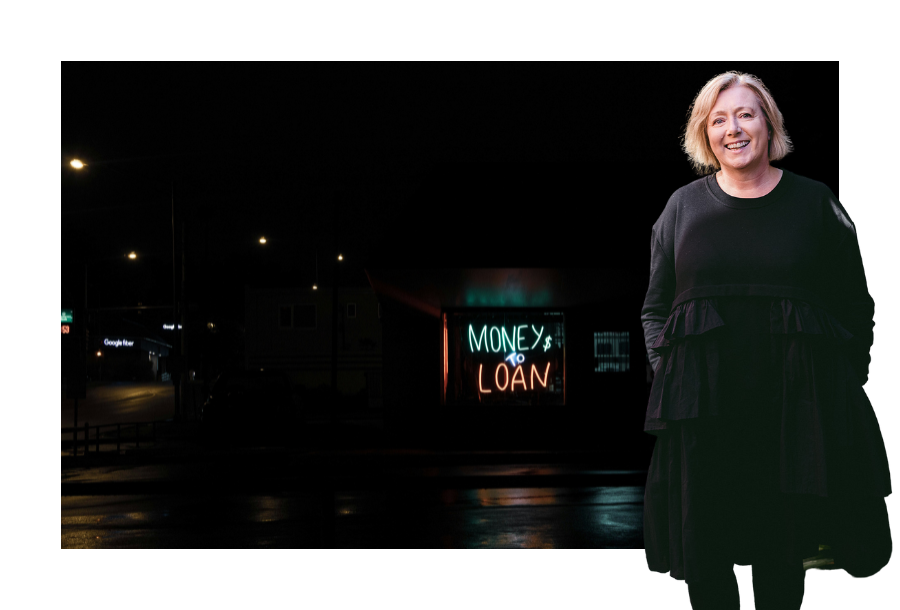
316,284
262,240
177,307
130,256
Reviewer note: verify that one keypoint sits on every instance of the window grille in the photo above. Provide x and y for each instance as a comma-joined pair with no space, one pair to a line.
612,352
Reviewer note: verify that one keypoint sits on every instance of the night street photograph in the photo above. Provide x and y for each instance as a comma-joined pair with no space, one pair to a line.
391,321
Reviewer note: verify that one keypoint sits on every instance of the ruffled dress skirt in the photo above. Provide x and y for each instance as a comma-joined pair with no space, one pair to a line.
766,442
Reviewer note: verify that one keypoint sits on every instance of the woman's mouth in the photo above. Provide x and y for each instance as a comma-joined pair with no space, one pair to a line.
737,145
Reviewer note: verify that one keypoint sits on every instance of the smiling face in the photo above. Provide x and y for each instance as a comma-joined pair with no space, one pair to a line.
738,132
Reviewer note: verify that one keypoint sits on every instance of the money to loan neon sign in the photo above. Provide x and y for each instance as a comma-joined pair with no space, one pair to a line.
524,364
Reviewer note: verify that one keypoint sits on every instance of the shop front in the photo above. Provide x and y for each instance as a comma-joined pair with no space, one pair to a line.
501,358
129,358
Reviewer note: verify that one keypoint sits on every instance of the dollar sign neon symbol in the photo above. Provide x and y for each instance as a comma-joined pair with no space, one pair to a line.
547,344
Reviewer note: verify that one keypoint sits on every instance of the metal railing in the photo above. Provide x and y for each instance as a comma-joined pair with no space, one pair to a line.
120,435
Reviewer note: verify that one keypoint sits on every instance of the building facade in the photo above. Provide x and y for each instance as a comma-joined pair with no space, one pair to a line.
301,332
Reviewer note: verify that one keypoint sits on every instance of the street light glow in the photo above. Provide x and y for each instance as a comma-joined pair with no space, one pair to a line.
77,164
132,255
262,240
315,287
340,257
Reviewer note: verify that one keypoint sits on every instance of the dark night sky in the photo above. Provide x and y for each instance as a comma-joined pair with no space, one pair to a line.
429,165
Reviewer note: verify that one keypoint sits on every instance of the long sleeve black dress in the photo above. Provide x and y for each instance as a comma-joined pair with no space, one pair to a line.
759,323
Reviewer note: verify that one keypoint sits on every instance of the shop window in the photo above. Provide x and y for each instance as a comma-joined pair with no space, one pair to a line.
504,357
612,352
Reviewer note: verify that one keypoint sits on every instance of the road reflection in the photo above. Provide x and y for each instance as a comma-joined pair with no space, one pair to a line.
591,517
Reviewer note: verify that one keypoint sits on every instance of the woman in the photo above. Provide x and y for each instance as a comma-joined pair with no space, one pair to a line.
758,322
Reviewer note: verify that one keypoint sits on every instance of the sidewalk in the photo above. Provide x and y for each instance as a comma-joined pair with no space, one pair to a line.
349,454
345,439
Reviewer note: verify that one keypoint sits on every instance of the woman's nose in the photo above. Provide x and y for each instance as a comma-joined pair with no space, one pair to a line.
734,128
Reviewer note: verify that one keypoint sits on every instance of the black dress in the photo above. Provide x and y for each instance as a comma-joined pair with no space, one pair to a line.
759,324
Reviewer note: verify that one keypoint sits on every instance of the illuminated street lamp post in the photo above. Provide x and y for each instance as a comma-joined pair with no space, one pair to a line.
80,364
316,284
335,313
178,347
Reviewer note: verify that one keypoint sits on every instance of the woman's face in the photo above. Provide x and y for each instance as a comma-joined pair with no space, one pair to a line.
737,130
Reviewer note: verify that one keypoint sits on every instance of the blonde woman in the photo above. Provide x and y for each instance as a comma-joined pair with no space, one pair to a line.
758,322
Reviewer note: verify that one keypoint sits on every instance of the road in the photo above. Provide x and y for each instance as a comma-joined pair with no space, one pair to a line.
122,402
253,498
590,517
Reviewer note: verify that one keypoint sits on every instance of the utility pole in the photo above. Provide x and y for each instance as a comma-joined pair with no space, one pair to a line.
335,310
174,362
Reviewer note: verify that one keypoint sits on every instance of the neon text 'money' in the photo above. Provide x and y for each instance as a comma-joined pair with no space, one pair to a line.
522,338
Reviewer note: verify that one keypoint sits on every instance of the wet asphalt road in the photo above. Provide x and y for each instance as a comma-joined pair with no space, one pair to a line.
591,517
191,496
121,402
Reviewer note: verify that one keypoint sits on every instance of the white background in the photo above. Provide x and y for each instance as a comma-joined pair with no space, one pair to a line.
35,37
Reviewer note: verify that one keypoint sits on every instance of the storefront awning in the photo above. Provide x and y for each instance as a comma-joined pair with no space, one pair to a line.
432,290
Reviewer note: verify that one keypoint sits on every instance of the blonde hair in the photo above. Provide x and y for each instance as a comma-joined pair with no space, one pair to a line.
696,141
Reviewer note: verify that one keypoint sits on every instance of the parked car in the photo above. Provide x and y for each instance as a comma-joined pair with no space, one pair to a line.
253,406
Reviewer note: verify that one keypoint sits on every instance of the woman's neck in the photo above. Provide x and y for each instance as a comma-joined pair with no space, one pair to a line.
751,184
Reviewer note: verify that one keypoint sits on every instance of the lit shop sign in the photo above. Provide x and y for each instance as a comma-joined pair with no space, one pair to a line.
170,327
66,316
505,357
118,343
65,328
499,339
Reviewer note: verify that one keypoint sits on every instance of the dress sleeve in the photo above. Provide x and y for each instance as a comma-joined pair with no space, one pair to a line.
856,308
660,295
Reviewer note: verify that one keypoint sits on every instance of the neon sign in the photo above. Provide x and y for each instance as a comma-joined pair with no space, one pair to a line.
65,329
518,376
480,340
511,357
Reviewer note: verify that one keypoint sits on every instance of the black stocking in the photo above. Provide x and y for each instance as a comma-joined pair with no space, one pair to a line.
715,592
777,586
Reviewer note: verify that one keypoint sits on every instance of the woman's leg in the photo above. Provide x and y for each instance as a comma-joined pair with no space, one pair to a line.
718,592
778,585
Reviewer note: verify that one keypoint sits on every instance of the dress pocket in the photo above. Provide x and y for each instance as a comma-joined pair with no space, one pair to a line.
831,443
686,382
